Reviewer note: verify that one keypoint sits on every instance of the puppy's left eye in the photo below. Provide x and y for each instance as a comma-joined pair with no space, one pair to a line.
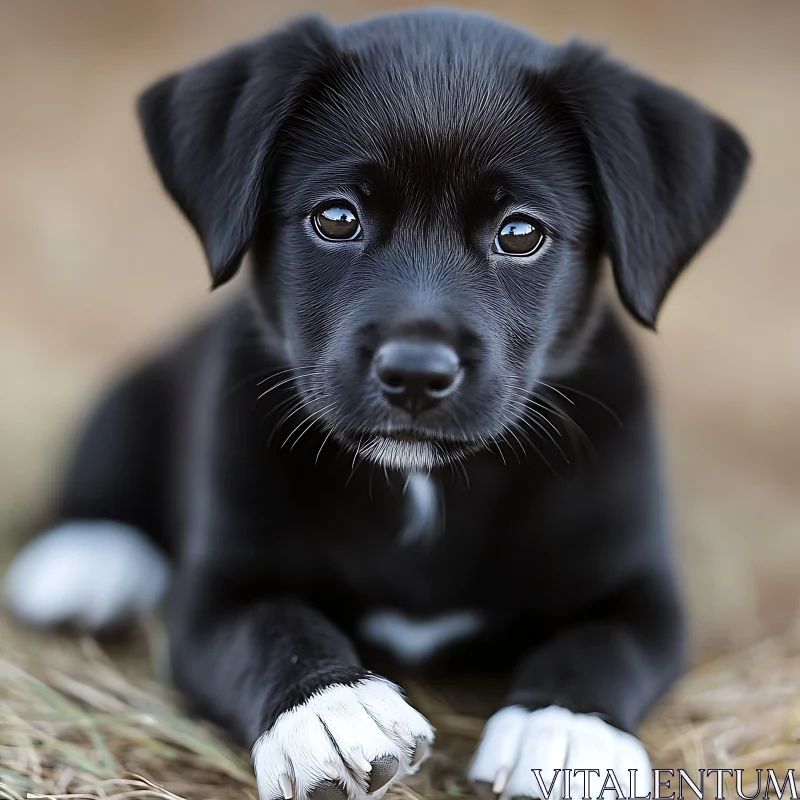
337,222
519,236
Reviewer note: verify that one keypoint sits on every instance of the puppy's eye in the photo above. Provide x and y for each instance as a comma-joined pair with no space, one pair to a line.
519,236
337,222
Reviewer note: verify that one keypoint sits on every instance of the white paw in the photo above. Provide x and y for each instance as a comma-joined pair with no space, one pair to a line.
515,742
344,742
90,574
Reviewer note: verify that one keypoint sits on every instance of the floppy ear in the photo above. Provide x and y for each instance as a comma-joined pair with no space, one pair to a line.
666,171
212,129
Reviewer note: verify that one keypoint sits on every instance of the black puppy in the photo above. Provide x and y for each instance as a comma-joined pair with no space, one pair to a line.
421,428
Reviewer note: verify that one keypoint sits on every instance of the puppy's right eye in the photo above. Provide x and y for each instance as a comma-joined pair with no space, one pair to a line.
337,222
519,236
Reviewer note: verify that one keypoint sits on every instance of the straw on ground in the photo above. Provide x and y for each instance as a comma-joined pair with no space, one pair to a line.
76,723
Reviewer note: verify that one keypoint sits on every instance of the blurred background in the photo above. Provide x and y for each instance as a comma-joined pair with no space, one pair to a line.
96,266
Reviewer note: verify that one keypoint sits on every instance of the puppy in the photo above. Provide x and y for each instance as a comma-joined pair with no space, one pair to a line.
420,429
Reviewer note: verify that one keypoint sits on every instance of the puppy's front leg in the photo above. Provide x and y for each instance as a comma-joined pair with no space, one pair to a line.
289,684
576,700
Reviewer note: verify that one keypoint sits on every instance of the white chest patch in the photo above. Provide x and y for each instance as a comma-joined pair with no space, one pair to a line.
423,514
415,640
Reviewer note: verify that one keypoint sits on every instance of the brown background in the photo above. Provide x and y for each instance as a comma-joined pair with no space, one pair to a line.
97,266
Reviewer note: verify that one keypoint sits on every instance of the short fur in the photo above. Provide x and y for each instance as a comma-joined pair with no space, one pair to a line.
262,456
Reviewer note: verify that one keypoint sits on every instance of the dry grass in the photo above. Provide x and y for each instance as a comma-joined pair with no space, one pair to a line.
76,722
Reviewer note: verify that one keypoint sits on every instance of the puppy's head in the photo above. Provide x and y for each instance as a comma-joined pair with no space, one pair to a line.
426,198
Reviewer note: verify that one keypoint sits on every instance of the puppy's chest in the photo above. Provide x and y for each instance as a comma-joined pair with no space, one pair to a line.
374,546
421,548
411,581
406,556
418,573
423,552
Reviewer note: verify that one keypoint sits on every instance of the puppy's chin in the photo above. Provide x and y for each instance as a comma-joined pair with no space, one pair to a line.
411,455
414,453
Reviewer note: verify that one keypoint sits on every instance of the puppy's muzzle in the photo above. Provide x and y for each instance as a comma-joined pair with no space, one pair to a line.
416,374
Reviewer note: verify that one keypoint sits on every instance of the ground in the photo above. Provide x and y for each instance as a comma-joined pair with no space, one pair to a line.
77,720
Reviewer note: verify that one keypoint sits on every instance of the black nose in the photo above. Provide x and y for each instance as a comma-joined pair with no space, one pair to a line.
416,375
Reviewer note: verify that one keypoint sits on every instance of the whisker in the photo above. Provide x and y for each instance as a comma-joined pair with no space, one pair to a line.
355,466
525,411
316,460
531,418
288,380
299,403
278,406
304,403
510,430
524,436
465,473
552,388
592,398
358,450
238,385
540,429
545,419
281,372
526,398
547,463
499,450
573,428
526,408
311,420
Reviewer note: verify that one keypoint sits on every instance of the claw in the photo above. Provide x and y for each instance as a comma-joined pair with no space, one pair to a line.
421,750
357,757
500,781
286,787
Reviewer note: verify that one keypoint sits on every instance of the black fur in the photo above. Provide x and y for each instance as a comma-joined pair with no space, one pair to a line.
434,125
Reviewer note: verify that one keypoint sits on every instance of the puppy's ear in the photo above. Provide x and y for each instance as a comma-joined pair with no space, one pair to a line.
666,170
212,129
